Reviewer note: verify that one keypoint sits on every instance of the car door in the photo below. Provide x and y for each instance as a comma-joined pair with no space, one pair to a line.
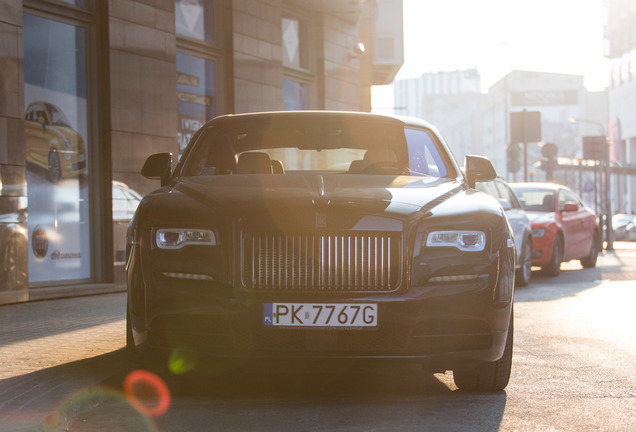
575,225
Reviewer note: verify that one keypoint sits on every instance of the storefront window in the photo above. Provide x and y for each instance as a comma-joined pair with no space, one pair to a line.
195,19
196,95
56,134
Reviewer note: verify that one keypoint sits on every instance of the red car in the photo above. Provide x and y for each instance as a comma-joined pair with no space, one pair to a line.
563,227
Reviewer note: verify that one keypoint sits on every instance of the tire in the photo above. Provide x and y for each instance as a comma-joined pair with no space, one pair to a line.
553,268
55,169
489,377
590,260
522,278
134,359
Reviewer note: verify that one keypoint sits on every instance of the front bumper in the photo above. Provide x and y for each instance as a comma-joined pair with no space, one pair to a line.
445,327
542,250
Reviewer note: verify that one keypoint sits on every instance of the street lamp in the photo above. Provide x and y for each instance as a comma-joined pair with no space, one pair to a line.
608,203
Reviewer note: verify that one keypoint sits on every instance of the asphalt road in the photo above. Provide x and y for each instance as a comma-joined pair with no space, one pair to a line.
573,370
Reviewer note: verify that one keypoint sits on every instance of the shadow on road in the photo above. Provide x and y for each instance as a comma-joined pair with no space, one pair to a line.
313,396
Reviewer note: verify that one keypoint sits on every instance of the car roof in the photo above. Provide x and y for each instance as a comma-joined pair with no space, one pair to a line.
531,185
300,115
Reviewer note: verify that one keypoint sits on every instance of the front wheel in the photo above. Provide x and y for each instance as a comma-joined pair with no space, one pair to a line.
525,272
590,260
135,360
489,377
553,268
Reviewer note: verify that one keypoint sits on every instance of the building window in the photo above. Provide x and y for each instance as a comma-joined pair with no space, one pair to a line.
291,42
78,3
198,59
298,77
296,95
195,19
57,150
196,95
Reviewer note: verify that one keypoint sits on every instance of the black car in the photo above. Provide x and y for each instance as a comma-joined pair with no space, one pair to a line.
322,235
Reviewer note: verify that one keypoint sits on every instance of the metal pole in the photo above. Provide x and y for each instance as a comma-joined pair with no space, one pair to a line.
581,188
596,187
525,147
608,202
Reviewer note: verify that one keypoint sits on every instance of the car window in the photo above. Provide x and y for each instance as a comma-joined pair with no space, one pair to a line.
505,193
487,187
567,196
353,148
424,157
540,200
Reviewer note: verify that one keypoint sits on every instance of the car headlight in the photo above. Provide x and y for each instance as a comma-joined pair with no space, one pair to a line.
467,241
176,238
538,232
67,143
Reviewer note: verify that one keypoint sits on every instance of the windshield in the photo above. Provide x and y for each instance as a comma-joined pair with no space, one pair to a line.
343,146
538,200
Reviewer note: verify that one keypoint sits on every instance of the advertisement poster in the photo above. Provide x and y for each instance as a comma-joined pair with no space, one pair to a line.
195,95
56,150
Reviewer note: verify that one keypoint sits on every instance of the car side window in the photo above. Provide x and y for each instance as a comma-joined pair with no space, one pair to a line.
487,187
506,193
567,196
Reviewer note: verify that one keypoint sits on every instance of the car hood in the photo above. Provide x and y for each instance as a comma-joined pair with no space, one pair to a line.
395,194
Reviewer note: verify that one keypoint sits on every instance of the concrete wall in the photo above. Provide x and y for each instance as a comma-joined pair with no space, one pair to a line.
257,57
13,246
142,84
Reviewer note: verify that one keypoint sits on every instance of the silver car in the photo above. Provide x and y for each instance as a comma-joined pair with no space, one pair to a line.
519,222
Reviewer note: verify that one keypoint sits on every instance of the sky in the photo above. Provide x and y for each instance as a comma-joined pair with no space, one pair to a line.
498,36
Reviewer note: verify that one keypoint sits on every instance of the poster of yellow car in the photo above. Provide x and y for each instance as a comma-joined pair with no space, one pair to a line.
51,142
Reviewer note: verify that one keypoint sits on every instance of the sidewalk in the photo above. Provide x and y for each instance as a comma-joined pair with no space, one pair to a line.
51,350
55,353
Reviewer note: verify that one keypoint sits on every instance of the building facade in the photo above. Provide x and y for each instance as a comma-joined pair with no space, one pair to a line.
90,88
479,123
620,49
448,100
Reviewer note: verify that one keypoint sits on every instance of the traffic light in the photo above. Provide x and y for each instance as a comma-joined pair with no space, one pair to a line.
549,163
513,158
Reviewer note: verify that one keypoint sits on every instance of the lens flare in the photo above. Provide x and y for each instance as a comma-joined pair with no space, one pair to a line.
147,392
182,360
95,408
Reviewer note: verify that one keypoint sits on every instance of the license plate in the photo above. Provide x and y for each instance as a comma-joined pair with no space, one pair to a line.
330,315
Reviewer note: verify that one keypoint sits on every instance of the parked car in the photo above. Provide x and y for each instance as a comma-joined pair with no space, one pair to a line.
317,234
52,143
520,223
563,227
624,226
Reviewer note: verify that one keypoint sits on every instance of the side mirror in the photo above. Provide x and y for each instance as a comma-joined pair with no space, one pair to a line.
478,168
569,207
158,166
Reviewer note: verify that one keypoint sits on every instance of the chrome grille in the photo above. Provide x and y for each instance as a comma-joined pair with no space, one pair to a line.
352,261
